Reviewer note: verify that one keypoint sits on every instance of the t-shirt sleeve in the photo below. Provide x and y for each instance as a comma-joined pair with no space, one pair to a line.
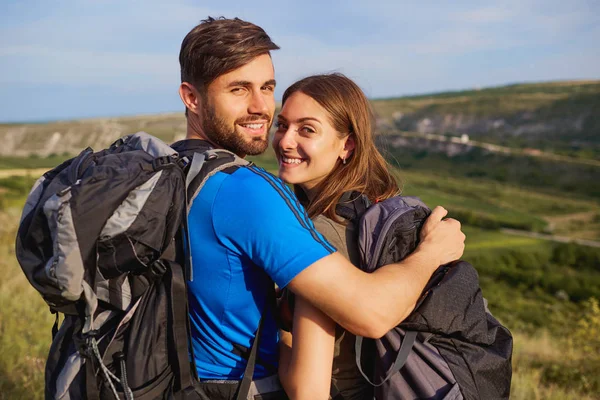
258,216
342,237
326,227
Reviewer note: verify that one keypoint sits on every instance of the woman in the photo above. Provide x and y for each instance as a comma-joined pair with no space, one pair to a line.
325,148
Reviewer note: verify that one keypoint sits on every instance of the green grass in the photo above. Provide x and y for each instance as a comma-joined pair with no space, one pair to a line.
266,160
25,323
522,278
13,189
32,162
481,240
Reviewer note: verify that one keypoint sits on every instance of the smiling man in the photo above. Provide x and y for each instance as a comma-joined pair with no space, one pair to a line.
247,230
228,120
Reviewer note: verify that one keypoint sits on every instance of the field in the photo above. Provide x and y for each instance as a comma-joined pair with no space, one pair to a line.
547,292
543,291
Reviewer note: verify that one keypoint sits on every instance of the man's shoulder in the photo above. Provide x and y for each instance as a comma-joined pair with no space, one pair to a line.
257,181
254,190
187,147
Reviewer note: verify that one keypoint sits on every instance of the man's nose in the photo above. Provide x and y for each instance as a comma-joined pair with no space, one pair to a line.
259,103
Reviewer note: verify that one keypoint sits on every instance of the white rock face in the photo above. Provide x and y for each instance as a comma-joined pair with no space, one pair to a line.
71,137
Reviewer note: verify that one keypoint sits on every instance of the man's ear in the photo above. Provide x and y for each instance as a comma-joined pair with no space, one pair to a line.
190,97
349,145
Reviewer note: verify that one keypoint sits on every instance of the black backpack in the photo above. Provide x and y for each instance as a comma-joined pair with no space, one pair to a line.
97,240
450,346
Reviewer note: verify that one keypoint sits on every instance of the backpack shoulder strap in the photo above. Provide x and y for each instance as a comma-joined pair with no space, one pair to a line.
204,165
352,205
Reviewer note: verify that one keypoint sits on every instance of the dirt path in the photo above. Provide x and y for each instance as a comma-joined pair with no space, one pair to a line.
554,238
494,148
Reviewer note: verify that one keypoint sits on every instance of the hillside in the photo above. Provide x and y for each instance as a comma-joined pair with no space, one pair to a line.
564,116
70,137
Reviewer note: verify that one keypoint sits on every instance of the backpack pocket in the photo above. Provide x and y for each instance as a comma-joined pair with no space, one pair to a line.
64,270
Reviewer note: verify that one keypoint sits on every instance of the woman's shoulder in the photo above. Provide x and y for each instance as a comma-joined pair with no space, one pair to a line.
341,235
329,228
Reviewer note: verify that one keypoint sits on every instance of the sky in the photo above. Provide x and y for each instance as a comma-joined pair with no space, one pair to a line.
65,59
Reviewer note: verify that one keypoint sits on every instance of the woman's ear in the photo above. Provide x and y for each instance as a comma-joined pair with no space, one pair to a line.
348,147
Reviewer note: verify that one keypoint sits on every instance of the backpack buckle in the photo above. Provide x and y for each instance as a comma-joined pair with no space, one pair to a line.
156,270
160,163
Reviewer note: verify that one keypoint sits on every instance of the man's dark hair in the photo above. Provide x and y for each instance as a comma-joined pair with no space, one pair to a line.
218,46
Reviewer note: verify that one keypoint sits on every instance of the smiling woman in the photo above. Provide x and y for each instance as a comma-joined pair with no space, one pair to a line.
324,146
307,144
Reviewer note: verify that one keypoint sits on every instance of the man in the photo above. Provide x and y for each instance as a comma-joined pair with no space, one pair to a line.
247,229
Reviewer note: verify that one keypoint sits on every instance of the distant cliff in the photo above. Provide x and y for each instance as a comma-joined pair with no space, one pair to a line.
567,113
70,137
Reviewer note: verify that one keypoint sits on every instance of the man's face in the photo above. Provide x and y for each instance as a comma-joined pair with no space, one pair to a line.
240,106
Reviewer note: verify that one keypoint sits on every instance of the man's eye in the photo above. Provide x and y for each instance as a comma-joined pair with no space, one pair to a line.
268,88
237,90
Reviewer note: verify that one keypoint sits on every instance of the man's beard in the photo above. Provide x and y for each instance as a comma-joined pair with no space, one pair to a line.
225,136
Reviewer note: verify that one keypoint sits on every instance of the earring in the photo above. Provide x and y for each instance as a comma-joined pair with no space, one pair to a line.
344,160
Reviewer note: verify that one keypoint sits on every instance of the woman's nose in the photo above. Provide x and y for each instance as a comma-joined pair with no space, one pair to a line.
288,139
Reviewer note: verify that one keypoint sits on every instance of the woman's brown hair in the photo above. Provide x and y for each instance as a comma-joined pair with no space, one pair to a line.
365,170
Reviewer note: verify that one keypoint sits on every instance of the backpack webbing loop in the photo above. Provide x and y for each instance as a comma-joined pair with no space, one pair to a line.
249,371
405,348
55,325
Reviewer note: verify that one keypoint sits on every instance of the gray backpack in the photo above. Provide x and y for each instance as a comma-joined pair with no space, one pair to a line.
450,346
97,241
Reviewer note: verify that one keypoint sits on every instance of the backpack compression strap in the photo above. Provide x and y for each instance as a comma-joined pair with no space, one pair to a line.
407,343
249,371
244,388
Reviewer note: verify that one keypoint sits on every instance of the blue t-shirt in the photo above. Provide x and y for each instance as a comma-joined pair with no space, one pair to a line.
245,226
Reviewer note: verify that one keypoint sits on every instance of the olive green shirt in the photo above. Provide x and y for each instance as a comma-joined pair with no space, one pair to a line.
345,374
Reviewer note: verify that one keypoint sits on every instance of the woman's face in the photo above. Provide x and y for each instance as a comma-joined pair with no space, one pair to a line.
306,144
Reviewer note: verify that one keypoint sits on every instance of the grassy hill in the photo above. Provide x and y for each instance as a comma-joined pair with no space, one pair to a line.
501,100
559,116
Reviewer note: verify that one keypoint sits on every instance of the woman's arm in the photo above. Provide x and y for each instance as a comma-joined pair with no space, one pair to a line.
305,362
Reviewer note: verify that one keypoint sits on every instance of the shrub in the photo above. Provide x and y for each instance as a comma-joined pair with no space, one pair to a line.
586,335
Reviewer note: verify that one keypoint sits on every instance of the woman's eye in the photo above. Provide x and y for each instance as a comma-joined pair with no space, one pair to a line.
280,125
307,129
